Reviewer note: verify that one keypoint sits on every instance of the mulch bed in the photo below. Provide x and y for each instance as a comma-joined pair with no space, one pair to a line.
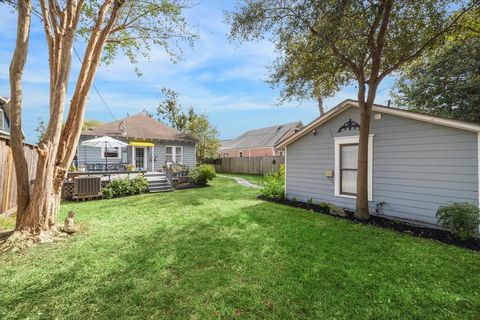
382,222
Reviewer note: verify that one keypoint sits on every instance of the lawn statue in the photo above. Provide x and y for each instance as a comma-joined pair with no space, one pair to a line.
69,226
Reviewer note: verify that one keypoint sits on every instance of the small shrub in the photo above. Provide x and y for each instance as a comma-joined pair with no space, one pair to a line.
274,184
310,201
130,167
325,205
125,187
202,174
72,168
461,219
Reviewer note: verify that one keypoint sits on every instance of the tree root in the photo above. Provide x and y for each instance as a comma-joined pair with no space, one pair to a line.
15,241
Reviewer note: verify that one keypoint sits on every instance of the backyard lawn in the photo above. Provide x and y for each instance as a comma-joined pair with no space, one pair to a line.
252,178
218,252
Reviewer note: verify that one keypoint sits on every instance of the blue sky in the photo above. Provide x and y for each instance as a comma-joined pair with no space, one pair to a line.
224,80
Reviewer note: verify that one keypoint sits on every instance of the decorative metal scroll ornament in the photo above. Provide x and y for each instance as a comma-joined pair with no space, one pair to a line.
350,124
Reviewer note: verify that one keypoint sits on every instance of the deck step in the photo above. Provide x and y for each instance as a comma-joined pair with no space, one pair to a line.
158,182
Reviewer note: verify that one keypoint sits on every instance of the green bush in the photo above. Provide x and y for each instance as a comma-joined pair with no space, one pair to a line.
274,184
202,174
125,187
461,219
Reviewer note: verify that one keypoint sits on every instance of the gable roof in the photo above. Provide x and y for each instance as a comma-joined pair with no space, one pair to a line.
263,137
139,126
346,104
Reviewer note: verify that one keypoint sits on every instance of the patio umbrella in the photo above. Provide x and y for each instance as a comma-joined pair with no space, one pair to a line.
106,142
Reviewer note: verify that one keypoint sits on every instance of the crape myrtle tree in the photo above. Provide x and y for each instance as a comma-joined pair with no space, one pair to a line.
107,27
346,41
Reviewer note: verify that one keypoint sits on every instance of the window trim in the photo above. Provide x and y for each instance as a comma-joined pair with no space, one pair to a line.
102,155
174,153
339,141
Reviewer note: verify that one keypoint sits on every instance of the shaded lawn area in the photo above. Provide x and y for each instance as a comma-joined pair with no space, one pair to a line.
218,252
252,178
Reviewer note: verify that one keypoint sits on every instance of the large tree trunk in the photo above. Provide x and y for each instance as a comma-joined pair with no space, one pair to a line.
38,208
365,106
16,136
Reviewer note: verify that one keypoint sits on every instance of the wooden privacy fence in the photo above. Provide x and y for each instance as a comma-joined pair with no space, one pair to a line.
8,181
250,165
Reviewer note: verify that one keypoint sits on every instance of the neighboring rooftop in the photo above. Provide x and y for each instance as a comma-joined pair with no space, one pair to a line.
138,126
264,137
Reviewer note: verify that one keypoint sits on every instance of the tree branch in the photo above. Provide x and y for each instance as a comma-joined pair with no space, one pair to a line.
430,41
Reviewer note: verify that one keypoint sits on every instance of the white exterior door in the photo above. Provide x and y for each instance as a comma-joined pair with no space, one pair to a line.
140,158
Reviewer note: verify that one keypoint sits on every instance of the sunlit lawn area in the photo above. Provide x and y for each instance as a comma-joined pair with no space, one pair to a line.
218,252
252,178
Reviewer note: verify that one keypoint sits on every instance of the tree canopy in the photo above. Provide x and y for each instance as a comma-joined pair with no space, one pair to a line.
324,44
446,81
196,125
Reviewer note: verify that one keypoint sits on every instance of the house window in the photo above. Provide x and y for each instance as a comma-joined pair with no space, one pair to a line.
174,154
225,155
240,154
346,156
111,153
1,120
348,169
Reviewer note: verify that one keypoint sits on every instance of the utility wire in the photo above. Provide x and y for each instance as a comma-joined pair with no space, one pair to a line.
96,89
39,16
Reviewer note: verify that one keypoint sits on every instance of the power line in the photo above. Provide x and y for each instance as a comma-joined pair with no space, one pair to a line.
95,87
39,16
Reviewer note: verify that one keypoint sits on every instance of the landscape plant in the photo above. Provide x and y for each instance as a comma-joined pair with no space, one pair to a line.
122,187
201,174
274,184
461,218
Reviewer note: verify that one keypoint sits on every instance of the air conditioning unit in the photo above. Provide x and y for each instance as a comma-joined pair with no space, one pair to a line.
87,187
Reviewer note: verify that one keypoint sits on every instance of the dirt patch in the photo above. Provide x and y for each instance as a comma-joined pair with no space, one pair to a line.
382,222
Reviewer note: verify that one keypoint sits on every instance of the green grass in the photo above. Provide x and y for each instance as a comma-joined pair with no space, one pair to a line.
252,178
218,252
7,223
